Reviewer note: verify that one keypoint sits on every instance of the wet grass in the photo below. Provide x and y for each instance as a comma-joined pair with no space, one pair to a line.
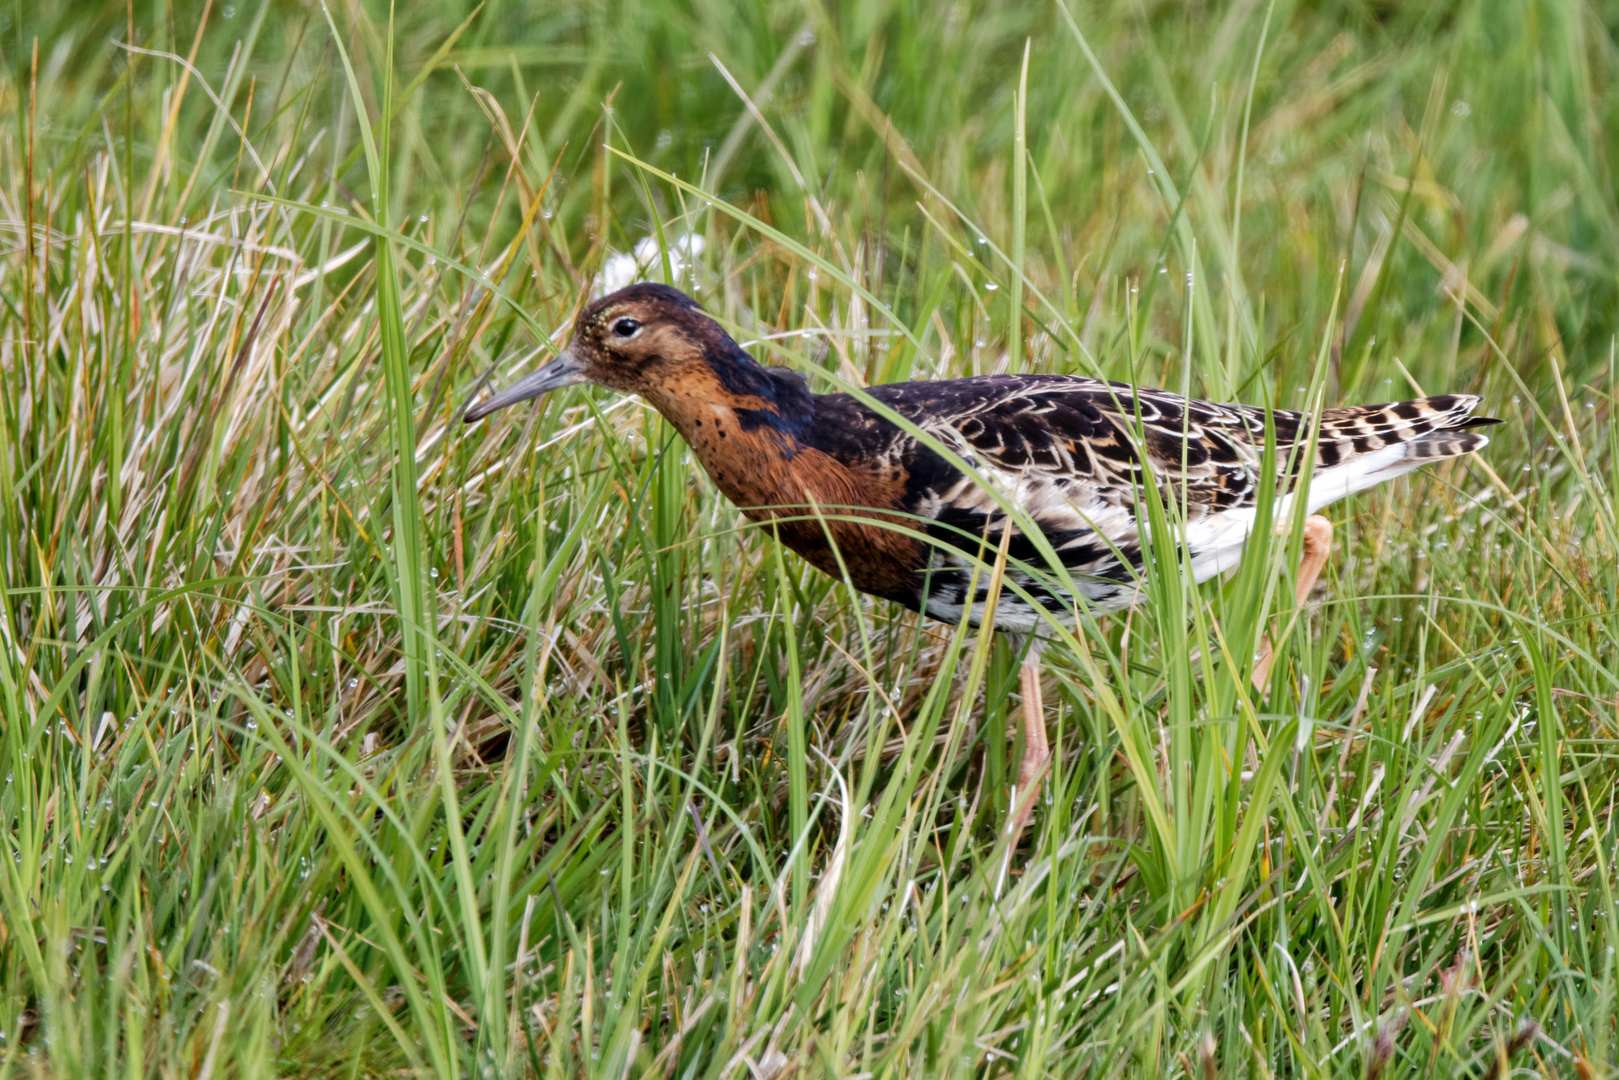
341,738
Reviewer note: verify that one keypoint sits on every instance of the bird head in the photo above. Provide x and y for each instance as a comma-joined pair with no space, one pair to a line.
644,339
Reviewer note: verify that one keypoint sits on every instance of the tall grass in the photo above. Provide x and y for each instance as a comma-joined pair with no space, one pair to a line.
342,738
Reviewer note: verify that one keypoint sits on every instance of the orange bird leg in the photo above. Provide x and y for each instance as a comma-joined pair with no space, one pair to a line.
1317,545
1036,750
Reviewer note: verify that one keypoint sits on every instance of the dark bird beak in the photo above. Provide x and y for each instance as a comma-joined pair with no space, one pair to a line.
564,369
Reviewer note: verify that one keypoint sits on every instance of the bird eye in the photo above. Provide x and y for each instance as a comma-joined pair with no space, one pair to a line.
626,328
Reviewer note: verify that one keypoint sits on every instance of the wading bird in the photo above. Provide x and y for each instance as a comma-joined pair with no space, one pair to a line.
853,492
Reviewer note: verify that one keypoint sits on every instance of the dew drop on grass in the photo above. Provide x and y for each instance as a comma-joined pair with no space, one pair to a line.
990,286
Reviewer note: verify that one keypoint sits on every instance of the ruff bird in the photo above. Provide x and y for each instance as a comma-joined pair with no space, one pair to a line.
862,496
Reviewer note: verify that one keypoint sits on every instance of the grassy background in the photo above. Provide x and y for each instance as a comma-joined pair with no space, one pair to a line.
342,739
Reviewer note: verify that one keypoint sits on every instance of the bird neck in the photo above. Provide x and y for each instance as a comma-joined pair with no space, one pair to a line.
751,427
754,429
725,395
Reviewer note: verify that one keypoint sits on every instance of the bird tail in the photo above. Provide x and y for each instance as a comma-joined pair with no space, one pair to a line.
1430,428
1363,446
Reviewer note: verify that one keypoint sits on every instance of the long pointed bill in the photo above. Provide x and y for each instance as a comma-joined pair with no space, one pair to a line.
563,370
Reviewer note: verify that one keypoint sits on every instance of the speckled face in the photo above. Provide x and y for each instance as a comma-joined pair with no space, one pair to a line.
646,339
640,338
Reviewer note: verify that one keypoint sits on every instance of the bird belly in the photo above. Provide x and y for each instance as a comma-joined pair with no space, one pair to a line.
1216,543
956,594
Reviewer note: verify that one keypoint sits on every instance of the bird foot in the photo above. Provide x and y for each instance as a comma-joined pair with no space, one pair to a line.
1036,750
1317,545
